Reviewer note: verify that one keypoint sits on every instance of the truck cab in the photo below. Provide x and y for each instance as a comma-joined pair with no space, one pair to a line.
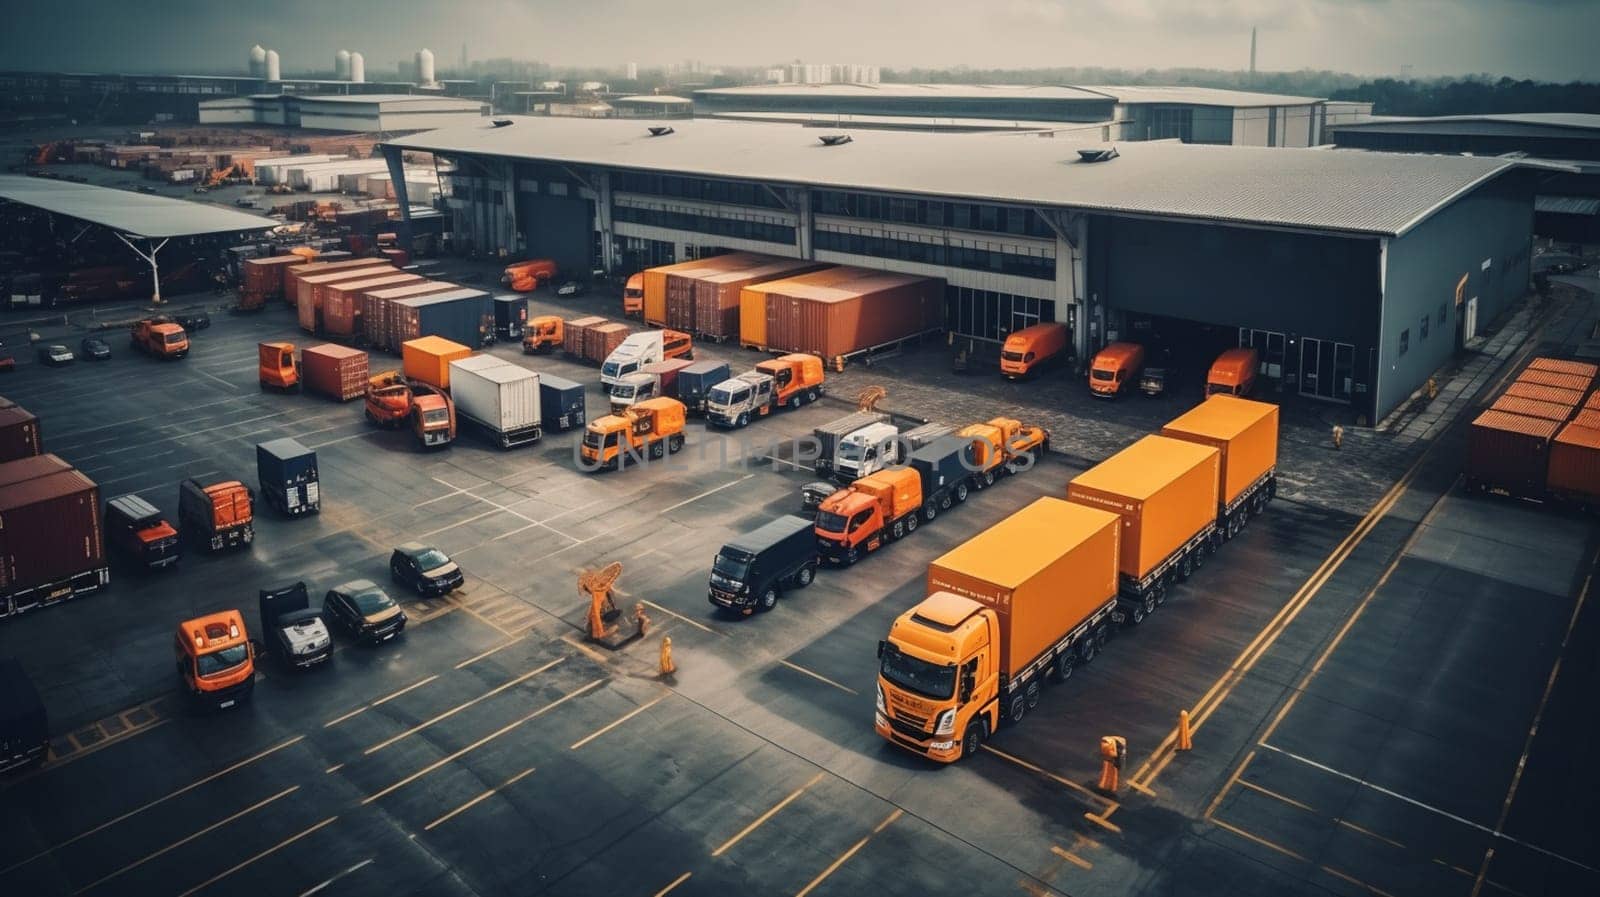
796,379
216,516
938,674
1027,349
276,366
1233,373
1114,368
997,444
869,514
433,416
653,427
136,529
160,337
636,351
216,664
866,451
631,389
633,297
732,403
525,277
543,334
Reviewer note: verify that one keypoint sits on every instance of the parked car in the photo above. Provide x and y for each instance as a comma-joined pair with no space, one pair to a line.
364,610
571,288
56,354
294,631
813,494
193,320
95,349
425,569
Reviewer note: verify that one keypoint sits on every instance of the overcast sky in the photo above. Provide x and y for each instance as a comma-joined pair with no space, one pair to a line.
1542,39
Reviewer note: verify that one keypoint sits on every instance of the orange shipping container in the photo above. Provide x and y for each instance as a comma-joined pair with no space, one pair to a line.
1043,570
716,295
1551,378
312,290
1560,366
264,276
428,359
655,282
753,300
344,304
1555,394
1165,491
575,335
1574,470
333,370
1509,452
377,310
1533,408
19,433
293,274
874,309
1244,431
602,339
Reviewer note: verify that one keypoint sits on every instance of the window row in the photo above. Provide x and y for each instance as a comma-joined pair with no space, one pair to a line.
695,188
992,316
939,254
722,227
932,213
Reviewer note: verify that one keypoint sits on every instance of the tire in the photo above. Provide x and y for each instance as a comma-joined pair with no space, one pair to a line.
930,511
658,450
1017,709
1152,599
768,600
911,523
1200,552
898,530
743,419
1061,668
1031,694
961,491
805,576
972,740
1186,569
795,401
1088,648
675,443
944,502
812,394
1137,615
988,478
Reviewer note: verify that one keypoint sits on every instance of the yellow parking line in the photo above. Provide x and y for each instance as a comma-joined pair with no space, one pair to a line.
1072,858
1094,795
675,882
479,799
843,858
385,699
615,723
506,644
268,852
460,707
1276,796
672,613
819,677
760,820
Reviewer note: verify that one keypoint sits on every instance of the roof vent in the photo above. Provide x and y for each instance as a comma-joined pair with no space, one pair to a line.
1097,155
660,131
500,122
834,139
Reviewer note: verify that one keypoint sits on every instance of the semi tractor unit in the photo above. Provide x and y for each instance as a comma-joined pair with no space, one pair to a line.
216,515
159,337
543,334
393,401
830,434
642,348
1030,598
877,446
651,428
787,381
136,530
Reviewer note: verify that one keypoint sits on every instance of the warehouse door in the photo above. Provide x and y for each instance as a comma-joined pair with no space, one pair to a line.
1327,369
1269,346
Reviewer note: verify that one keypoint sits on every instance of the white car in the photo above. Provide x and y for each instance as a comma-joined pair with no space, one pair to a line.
56,354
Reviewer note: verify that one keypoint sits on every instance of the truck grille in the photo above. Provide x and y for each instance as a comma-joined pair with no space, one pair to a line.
907,724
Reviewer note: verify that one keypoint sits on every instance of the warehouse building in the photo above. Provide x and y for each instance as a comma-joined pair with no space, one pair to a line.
1356,274
1189,114
1568,203
372,113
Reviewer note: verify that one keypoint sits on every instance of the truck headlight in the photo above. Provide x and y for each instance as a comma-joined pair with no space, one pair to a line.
882,707
947,723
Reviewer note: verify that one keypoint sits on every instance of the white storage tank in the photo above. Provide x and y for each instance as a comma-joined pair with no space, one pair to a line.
358,68
424,66
272,66
258,61
341,65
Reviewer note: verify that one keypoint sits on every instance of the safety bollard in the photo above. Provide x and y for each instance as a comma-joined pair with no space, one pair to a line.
1113,750
667,666
1185,737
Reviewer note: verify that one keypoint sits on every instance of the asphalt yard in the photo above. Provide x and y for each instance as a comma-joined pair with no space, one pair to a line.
1373,693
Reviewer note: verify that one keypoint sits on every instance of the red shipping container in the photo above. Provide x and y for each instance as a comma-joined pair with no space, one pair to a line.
313,291
19,433
1574,470
1569,397
264,276
845,317
51,543
602,339
1533,408
399,257
22,470
575,336
716,295
667,371
334,370
343,304
293,273
1509,452
1560,366
1551,378
375,311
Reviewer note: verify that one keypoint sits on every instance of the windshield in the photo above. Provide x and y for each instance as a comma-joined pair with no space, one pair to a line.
1214,388
721,396
849,451
926,679
730,568
174,338
1102,375
609,369
829,522
591,439
1011,356
221,661
633,293
436,416
622,392
372,601
431,558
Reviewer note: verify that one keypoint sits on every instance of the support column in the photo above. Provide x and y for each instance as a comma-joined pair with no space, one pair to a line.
149,257
603,222
397,176
804,230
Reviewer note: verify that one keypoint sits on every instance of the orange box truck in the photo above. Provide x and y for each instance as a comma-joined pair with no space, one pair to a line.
1246,433
1031,597
1031,347
1165,490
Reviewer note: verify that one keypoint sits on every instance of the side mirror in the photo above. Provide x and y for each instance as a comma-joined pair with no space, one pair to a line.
881,646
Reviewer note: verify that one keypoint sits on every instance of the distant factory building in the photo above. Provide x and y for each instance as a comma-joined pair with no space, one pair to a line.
365,113
1356,275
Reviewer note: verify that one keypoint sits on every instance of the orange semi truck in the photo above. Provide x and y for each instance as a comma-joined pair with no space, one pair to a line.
216,664
1031,348
1030,598
543,334
633,297
653,427
276,367
393,401
159,337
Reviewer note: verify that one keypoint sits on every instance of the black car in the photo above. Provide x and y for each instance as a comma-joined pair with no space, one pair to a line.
193,320
812,495
571,288
94,349
425,569
365,611
55,354
752,570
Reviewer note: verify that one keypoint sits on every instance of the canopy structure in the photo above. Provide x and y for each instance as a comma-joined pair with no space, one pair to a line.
144,222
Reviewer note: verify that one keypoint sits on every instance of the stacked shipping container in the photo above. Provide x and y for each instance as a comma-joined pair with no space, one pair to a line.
19,432
1536,441
344,302
51,539
833,315
575,336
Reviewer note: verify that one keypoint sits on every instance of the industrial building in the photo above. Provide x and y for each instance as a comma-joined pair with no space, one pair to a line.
1189,114
1356,274
1568,203
361,113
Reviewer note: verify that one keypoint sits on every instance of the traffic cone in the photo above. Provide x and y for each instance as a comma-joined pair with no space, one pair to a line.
667,666
1185,737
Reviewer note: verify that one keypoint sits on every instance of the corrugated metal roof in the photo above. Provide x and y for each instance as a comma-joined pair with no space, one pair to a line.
1567,205
136,214
1199,96
1368,193
1460,124
914,122
943,91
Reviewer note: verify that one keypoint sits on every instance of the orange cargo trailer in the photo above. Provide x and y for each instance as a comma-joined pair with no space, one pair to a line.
428,359
344,303
1165,490
1560,413
1246,433
1509,453
1574,469
1554,394
1562,366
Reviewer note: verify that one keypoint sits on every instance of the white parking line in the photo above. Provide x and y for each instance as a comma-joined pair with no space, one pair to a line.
310,891
688,501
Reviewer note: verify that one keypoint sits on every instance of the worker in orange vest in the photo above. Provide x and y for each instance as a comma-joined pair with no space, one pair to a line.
1113,751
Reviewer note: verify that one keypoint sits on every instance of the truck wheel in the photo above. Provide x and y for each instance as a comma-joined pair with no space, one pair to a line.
744,418
768,600
1138,612
674,443
1153,598
795,401
911,523
944,502
1061,670
1018,709
961,492
1088,648
805,576
658,450
1200,552
1186,569
972,740
812,394
898,530
988,478
929,511
1031,694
